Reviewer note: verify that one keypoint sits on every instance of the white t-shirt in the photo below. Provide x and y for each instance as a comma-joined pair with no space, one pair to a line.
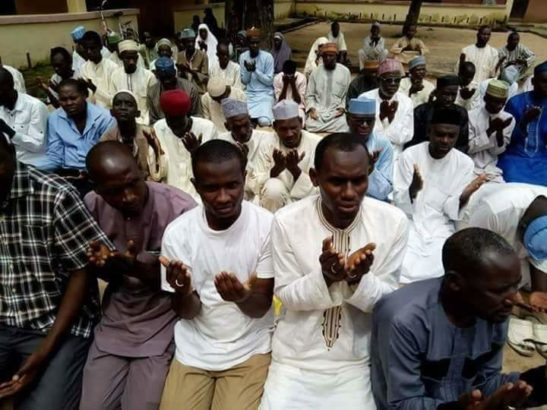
220,336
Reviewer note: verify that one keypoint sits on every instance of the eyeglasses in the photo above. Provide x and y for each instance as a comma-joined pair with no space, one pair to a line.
391,80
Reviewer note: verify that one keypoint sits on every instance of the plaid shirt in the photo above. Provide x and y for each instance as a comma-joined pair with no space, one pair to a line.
45,230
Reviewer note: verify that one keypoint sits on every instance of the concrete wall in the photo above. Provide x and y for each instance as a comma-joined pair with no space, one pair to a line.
182,15
37,34
395,11
536,11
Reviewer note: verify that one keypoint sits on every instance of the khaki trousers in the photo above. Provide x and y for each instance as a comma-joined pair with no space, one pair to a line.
238,388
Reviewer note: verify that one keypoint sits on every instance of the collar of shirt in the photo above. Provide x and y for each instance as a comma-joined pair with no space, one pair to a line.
93,114
323,219
21,185
20,104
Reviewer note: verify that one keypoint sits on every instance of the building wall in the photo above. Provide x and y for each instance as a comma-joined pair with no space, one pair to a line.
20,33
536,11
40,6
395,11
183,14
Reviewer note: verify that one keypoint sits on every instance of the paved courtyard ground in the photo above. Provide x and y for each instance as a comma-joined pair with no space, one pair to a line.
444,44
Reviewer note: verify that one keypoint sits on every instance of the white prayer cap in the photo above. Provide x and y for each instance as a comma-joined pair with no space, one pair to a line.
216,87
127,45
232,108
285,109
124,92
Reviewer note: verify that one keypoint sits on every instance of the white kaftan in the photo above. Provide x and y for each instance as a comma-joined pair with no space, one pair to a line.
138,83
321,346
277,192
100,74
260,143
435,208
485,60
401,129
484,148
179,160
326,93
501,212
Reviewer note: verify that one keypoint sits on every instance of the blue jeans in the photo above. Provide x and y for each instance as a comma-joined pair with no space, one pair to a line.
59,385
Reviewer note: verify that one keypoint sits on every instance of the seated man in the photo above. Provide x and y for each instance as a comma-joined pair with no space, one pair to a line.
361,116
253,143
133,77
97,70
337,37
482,55
468,93
433,182
181,134
283,174
394,117
526,156
443,97
321,351
438,344
226,69
61,61
518,212
326,94
193,64
408,46
490,129
257,73
291,85
366,80
415,85
133,343
168,80
374,47
23,119
219,270
49,306
218,91
73,130
516,55
140,140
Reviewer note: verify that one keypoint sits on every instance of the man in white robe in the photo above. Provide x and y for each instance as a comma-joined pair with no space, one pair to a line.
218,91
374,47
255,144
326,93
225,68
415,85
490,129
282,173
133,77
484,56
97,71
395,116
337,37
518,213
179,136
432,183
321,348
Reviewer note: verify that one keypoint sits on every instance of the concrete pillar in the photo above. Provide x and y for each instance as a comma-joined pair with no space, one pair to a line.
76,6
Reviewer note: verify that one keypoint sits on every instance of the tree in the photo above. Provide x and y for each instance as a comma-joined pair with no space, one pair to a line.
244,14
413,14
